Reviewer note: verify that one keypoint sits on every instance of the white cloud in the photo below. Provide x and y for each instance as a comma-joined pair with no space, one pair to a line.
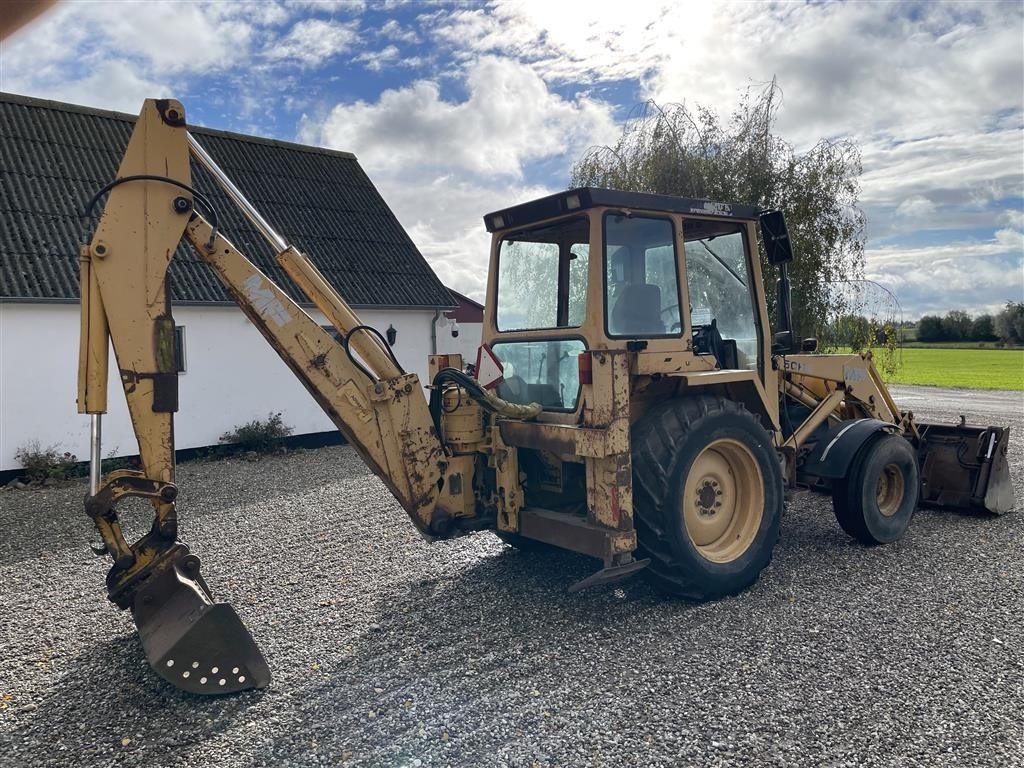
375,61
136,44
113,84
392,30
313,41
916,207
509,118
443,164
330,6
975,275
564,41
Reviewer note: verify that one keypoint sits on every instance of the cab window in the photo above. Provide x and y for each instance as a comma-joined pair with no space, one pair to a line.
542,277
719,287
641,279
545,372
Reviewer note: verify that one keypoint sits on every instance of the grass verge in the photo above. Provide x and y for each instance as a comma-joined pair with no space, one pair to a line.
970,368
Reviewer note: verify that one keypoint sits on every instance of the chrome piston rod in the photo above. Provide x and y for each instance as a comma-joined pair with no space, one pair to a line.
95,456
255,218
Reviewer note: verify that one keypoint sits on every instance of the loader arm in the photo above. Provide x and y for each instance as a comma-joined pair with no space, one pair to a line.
379,408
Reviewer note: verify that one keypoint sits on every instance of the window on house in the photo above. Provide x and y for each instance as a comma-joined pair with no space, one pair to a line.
179,349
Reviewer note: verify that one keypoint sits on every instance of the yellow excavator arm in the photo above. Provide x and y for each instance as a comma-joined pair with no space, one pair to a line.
380,409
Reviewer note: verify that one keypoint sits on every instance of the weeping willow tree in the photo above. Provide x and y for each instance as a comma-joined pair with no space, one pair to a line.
675,150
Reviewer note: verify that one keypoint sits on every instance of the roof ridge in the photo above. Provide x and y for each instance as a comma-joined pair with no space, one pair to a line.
63,106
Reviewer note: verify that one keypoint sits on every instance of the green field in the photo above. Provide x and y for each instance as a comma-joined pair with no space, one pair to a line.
951,367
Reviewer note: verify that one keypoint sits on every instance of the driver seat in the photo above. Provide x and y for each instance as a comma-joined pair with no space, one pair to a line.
637,311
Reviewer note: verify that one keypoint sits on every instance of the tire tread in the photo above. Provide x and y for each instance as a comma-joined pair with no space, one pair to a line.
654,452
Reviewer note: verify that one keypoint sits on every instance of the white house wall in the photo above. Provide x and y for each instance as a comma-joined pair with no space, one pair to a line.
232,376
464,344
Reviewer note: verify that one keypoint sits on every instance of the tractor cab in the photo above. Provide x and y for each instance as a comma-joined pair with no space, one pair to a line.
674,279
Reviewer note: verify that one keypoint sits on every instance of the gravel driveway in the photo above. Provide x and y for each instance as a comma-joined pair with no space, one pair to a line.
390,652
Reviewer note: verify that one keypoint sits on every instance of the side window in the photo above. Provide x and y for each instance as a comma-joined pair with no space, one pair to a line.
542,276
179,349
718,284
641,280
579,257
525,270
545,372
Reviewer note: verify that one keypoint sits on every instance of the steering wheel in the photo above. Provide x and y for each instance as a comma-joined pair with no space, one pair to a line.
677,325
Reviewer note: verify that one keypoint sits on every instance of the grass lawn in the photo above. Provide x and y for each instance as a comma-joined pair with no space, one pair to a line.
971,368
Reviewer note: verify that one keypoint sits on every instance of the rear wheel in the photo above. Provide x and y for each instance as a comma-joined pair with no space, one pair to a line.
877,499
708,498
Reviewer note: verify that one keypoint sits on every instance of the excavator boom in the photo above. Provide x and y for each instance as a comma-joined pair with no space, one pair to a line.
191,641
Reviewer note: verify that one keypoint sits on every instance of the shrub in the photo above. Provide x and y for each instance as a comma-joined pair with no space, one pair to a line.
43,463
260,436
956,325
984,328
1010,323
930,329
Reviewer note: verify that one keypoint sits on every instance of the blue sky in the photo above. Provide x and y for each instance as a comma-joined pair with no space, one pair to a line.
456,110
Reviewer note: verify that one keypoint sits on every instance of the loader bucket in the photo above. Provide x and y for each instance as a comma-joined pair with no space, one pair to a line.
193,643
965,467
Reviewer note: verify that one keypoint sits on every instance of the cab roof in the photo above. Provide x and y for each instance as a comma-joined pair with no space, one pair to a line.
582,198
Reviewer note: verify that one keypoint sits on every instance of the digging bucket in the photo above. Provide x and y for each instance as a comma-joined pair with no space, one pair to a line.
193,643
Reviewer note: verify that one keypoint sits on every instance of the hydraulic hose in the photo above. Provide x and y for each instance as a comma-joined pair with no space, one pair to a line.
487,400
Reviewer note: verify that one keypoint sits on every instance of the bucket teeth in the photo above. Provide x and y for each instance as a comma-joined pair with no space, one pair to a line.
193,643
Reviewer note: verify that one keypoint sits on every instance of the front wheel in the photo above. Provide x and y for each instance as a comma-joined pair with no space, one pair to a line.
708,497
877,499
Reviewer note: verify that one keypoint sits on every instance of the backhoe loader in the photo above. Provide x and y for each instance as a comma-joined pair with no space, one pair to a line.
629,403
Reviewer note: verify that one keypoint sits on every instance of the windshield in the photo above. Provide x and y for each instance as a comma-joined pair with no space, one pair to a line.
542,277
718,281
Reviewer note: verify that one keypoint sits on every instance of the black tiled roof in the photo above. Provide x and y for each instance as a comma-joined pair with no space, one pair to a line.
54,157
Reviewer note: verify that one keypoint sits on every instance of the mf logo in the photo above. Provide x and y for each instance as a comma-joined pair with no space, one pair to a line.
264,301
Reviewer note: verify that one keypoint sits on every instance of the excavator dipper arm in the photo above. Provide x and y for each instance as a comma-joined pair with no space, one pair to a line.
194,643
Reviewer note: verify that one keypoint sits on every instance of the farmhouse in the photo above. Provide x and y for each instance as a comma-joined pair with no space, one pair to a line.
56,156
460,329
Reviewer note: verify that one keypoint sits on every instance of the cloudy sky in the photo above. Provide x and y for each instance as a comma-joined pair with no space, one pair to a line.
456,110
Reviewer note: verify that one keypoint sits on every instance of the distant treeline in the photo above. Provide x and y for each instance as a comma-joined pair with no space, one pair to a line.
1006,326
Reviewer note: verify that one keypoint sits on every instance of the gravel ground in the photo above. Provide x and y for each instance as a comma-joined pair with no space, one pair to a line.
387,651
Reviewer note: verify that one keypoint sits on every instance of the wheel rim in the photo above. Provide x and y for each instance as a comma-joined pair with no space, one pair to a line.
890,489
723,500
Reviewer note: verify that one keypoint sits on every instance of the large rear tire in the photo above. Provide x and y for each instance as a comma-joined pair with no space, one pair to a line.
707,496
876,501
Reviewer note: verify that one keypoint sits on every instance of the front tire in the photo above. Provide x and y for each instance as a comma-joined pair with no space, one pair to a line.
876,501
708,498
